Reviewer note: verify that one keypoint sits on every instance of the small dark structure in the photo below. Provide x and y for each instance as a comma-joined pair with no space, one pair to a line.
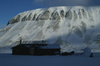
49,49
91,55
20,50
36,49
67,53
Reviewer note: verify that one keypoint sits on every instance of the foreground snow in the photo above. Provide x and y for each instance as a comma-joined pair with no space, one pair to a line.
24,60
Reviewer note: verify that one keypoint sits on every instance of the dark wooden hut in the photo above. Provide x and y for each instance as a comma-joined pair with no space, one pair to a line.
20,50
36,49
49,49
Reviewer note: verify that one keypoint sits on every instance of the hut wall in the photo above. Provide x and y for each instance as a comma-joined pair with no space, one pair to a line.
20,51
48,51
31,51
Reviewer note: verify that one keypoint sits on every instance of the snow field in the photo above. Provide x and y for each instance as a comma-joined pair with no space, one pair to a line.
74,60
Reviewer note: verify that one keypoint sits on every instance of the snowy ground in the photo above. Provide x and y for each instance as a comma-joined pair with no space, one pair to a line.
7,59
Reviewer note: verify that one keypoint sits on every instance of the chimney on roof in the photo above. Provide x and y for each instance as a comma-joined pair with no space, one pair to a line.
20,41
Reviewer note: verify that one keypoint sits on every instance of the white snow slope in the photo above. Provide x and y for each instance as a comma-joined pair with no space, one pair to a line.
72,27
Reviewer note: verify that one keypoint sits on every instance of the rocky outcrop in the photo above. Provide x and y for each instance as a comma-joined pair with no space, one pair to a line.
91,15
83,26
34,17
11,20
62,13
5,29
54,25
27,18
55,16
97,41
75,16
30,17
84,13
24,18
18,19
77,31
45,15
80,15
68,15
38,18
87,39
14,20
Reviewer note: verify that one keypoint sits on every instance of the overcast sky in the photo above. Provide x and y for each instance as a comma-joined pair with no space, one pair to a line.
10,8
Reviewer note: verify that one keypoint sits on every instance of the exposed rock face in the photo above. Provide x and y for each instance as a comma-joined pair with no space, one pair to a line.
88,39
97,41
45,15
68,15
77,31
18,19
40,23
24,18
75,16
5,29
91,16
27,18
84,13
11,20
38,18
83,26
30,17
34,17
55,16
54,26
62,13
80,15
14,20
39,35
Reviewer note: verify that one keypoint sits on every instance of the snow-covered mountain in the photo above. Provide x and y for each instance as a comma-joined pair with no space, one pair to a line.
72,27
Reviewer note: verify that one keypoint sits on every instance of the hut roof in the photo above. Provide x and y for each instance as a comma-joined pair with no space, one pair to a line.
43,46
51,46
